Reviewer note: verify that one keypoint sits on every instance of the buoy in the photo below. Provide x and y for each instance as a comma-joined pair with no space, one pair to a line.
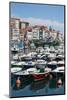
59,82
18,82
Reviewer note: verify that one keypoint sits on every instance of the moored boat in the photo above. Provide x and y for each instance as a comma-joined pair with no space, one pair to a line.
14,49
17,64
29,64
58,72
59,57
41,74
52,56
52,64
60,63
41,63
15,69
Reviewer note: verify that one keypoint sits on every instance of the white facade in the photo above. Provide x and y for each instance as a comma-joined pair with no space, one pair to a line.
15,34
15,29
53,35
45,34
29,35
35,33
61,37
22,25
17,24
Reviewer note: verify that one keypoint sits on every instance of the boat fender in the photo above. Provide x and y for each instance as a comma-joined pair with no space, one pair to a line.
59,82
18,82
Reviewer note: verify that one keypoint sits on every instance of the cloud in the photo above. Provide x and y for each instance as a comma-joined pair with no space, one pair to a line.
36,21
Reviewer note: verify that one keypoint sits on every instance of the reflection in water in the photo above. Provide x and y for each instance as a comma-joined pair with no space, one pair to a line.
52,84
38,85
44,87
24,80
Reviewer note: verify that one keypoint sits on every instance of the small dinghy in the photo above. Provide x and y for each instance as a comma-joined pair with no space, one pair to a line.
14,69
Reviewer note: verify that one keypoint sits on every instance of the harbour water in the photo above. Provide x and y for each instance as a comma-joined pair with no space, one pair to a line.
45,87
39,88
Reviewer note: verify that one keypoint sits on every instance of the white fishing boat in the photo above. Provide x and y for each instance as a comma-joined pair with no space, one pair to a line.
52,64
15,69
44,57
17,64
40,49
58,72
27,72
52,56
52,49
39,56
15,49
13,62
47,50
60,51
60,56
60,63
29,64
26,58
16,57
31,54
41,63
37,74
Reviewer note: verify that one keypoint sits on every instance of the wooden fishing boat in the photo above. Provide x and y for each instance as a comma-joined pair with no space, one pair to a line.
41,74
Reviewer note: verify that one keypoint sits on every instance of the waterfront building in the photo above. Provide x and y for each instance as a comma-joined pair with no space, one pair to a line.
61,37
14,28
46,35
19,27
35,32
41,33
29,35
53,34
23,27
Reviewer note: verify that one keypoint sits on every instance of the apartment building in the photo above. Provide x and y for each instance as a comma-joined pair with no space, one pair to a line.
19,27
14,28
35,33
23,28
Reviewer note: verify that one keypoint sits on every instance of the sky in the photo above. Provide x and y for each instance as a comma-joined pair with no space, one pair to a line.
50,15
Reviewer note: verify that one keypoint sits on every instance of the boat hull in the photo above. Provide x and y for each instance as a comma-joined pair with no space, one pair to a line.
28,66
57,74
52,66
16,65
14,51
37,77
40,65
60,65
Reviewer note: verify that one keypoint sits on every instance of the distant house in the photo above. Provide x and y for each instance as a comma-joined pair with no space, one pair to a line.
53,34
14,28
19,28
29,35
35,33
23,28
